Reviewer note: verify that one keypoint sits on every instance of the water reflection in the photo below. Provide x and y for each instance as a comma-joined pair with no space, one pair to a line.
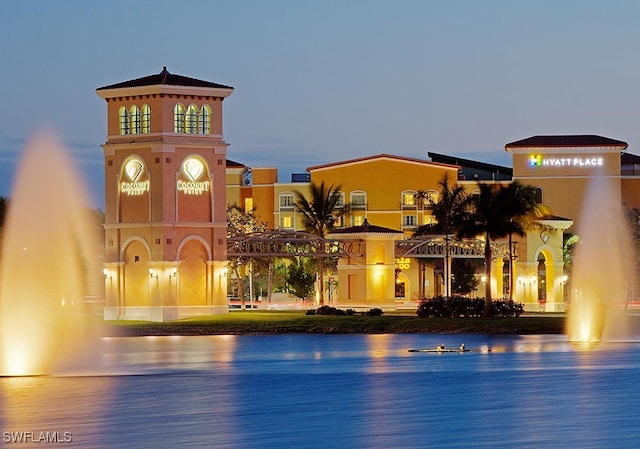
364,391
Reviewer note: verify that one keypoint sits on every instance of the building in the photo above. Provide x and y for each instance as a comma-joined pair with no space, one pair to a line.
165,198
168,184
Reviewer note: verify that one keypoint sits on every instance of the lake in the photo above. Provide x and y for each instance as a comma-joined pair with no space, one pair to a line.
319,391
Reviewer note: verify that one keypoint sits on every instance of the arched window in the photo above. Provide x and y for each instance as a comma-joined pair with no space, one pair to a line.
408,199
146,119
204,122
135,120
191,120
538,195
125,121
178,118
358,199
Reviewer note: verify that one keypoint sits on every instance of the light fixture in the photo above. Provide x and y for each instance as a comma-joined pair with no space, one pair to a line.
106,273
152,272
174,271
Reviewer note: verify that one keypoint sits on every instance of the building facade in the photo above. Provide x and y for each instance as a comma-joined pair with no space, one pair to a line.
165,198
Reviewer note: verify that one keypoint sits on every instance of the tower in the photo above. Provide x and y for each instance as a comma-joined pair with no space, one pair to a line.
165,201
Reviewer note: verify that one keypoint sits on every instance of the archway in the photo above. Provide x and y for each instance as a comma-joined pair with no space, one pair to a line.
402,287
136,275
541,275
192,289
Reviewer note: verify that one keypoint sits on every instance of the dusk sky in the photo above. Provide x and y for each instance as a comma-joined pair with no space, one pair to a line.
323,81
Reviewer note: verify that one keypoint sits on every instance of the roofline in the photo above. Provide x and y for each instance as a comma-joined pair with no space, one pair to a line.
471,161
605,142
159,89
383,156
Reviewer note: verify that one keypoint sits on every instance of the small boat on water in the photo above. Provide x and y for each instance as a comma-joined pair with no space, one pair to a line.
442,348
439,350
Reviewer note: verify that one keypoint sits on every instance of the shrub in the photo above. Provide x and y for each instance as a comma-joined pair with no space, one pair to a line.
506,308
374,312
328,310
460,306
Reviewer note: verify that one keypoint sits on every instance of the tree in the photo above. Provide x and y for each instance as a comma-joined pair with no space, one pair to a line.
499,211
299,280
4,205
449,210
319,214
464,277
239,223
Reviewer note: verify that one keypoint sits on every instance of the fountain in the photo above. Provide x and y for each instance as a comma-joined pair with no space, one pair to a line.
602,269
48,250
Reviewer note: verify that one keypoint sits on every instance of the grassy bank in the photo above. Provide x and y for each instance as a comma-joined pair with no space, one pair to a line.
253,322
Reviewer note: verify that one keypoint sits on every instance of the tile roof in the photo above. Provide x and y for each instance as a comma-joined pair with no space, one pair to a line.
380,156
167,79
231,163
366,227
566,141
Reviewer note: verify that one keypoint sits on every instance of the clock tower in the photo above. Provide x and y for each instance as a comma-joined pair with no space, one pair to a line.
165,199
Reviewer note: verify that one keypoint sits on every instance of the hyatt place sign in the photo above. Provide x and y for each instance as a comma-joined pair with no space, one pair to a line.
536,160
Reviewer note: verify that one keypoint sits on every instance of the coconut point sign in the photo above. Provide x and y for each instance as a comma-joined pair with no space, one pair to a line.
193,170
134,172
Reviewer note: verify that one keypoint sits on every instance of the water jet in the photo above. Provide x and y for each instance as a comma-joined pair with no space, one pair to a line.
602,272
49,251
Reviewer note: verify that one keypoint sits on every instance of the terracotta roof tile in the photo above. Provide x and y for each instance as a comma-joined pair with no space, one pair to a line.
365,228
566,141
165,78
380,156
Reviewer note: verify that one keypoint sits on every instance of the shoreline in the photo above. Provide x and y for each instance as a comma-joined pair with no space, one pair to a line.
256,323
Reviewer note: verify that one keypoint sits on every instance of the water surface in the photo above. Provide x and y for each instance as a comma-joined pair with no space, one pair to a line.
318,391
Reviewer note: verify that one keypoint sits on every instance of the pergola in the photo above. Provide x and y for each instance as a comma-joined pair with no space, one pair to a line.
441,246
290,244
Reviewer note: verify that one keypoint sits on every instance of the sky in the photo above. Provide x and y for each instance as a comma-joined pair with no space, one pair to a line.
327,80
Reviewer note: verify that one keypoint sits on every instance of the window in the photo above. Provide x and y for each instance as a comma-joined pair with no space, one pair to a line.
204,121
125,123
408,220
287,222
409,199
358,220
178,119
286,201
146,119
538,195
191,120
248,204
431,198
358,200
135,120
340,202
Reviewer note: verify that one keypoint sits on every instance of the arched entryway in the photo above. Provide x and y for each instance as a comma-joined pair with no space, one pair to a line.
192,287
136,277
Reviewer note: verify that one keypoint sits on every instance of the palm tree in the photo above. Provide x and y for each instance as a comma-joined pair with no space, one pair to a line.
319,215
449,210
499,211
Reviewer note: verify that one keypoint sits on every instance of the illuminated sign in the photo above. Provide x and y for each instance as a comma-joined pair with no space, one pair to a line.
133,170
193,169
403,263
536,160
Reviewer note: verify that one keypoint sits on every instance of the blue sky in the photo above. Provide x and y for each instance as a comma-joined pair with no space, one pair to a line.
322,81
